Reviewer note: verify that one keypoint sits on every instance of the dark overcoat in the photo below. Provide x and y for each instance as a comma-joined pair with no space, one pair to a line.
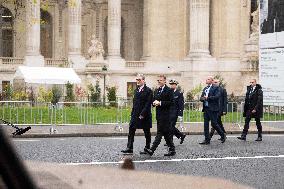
254,101
223,101
142,106
163,112
178,105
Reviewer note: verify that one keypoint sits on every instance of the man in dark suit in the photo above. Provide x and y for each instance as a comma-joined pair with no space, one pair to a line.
141,116
210,98
253,108
163,100
177,110
223,101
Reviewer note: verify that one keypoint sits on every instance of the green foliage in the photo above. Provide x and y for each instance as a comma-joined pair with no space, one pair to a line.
56,95
70,97
20,96
7,92
221,80
95,92
194,93
111,95
44,95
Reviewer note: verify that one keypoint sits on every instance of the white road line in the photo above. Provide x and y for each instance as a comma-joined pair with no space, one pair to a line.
109,138
26,140
178,160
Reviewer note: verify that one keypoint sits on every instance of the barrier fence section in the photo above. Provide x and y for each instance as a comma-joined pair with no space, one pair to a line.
92,113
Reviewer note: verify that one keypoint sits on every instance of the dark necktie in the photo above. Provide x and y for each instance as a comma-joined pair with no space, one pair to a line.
159,90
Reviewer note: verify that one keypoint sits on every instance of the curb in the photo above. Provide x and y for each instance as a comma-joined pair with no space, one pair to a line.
123,134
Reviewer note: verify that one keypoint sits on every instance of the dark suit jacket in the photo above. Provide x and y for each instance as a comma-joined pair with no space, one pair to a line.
223,101
163,111
213,98
142,106
178,106
253,101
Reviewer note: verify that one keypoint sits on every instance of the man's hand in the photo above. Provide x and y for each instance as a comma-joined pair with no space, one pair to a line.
157,103
141,117
180,118
253,111
224,113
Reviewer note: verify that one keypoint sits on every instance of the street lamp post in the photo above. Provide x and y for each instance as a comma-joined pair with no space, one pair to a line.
104,69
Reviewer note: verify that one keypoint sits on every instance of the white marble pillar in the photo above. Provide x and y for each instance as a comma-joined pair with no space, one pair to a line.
199,29
33,56
114,29
74,34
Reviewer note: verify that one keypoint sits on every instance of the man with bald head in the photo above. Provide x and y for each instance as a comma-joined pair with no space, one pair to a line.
210,98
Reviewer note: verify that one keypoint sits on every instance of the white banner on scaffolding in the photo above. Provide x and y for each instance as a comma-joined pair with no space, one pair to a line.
271,60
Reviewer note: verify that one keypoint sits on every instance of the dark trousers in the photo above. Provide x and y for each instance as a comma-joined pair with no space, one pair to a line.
175,131
211,116
220,123
131,135
163,132
247,120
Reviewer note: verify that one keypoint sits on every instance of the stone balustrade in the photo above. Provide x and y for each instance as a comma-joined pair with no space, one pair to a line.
11,60
135,64
50,62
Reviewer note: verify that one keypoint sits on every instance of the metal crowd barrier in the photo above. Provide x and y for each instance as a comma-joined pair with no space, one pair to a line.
89,113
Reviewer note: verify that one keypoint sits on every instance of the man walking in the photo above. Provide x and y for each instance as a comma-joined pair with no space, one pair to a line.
210,98
253,108
176,110
141,116
163,100
223,101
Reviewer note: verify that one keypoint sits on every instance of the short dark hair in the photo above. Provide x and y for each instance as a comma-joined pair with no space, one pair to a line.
163,76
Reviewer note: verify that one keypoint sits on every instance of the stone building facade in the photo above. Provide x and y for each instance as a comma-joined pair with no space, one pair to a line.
183,39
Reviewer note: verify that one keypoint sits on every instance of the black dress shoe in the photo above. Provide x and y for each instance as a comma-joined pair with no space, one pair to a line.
149,151
223,139
259,139
242,138
182,138
170,153
143,152
127,151
204,142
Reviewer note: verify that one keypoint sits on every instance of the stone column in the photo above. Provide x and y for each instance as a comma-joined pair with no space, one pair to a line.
146,29
199,28
114,29
33,56
232,29
1,49
74,34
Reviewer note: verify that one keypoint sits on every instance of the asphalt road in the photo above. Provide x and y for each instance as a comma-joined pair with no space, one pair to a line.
256,164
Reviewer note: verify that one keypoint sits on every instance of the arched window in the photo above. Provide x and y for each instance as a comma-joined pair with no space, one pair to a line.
46,34
6,32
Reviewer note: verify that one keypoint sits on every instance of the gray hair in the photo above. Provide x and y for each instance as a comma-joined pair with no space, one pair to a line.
141,75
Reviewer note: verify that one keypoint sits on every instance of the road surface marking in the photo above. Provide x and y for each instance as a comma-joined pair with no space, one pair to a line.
177,160
116,138
26,140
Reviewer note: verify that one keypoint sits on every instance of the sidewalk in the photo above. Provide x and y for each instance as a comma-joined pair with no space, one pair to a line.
109,130
87,176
